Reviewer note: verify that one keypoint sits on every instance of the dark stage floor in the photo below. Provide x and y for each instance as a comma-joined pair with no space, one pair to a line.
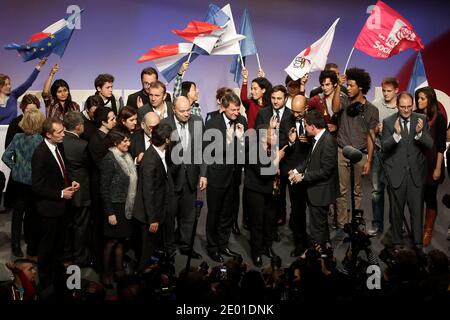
283,248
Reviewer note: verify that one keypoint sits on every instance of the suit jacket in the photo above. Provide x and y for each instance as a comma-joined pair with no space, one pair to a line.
13,128
98,148
211,114
137,145
321,172
77,167
132,98
219,173
48,181
154,189
294,154
187,173
113,184
89,128
407,154
264,115
146,108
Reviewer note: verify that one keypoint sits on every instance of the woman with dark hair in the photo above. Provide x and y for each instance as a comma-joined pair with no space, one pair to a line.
127,119
261,185
426,103
18,158
91,104
8,97
118,190
57,98
260,91
188,89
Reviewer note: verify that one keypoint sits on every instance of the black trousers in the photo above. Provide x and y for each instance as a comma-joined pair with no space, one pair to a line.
77,235
51,250
318,223
406,193
150,241
297,194
220,216
185,214
262,208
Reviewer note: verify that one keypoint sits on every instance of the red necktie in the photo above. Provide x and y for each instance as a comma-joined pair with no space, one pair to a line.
63,168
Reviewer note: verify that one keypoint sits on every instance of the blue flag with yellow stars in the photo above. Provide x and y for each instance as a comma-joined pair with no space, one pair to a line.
53,39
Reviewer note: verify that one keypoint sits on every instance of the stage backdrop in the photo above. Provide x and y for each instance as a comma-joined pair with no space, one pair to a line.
115,33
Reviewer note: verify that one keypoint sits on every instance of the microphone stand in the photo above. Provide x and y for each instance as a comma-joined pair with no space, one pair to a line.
198,208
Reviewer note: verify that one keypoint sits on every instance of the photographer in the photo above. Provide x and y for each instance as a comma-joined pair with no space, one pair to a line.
23,284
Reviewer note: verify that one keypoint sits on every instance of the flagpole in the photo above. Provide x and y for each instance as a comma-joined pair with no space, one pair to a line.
242,60
348,60
189,57
259,62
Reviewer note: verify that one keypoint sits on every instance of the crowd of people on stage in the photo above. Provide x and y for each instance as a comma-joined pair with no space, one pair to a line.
116,182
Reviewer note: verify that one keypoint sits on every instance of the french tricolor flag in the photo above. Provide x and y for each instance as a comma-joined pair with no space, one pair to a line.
169,58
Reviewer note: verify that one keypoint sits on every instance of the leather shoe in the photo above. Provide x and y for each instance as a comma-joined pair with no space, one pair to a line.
215,256
235,229
194,255
257,261
229,253
269,253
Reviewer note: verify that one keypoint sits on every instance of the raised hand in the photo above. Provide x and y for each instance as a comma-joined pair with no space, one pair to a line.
419,126
397,127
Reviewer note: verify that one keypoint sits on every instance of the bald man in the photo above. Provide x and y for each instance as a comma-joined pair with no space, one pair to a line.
293,134
187,168
141,140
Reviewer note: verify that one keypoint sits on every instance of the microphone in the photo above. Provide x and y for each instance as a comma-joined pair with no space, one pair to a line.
355,109
352,154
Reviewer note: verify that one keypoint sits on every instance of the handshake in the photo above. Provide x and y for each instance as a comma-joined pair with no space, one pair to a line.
295,176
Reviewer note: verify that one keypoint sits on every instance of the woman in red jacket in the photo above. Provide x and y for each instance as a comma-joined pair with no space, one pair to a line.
260,91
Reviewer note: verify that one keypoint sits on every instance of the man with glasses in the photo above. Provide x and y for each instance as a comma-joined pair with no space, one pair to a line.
404,137
141,97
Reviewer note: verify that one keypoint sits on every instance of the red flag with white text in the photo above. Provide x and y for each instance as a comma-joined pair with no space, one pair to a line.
386,33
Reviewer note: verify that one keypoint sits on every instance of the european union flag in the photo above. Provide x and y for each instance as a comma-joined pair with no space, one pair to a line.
53,39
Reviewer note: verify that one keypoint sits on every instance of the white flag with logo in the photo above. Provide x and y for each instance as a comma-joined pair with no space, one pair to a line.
313,58
228,42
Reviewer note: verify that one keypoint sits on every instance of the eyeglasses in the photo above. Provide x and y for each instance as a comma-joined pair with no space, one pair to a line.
146,84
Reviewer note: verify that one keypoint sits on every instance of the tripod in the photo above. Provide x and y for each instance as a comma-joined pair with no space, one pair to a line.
359,239
198,208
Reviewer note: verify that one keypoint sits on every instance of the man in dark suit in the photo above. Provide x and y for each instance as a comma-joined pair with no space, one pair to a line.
75,148
158,103
278,112
224,172
52,188
141,140
141,97
404,137
320,176
293,134
154,195
187,168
